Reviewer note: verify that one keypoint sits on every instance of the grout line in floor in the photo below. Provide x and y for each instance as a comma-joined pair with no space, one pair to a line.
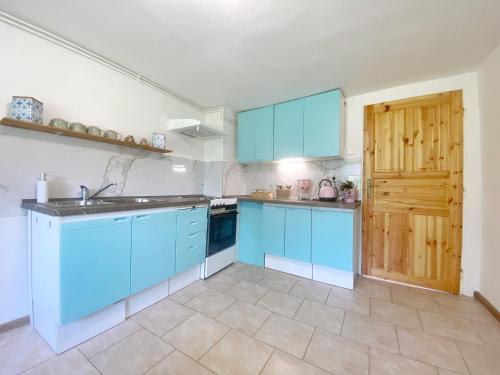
308,343
88,360
267,360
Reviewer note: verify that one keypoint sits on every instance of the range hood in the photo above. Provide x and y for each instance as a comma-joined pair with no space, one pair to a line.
193,128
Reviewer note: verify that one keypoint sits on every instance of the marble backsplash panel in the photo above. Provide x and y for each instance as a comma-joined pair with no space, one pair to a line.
243,179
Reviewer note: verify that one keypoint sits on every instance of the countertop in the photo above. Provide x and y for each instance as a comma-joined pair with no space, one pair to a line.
297,202
119,204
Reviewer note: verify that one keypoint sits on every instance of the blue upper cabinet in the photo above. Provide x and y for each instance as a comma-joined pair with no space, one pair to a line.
332,239
255,135
153,249
245,147
322,127
273,230
289,129
95,265
250,234
298,234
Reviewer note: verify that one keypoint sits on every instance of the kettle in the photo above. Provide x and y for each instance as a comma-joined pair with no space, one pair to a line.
327,190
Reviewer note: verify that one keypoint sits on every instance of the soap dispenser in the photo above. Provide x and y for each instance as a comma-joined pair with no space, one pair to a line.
42,189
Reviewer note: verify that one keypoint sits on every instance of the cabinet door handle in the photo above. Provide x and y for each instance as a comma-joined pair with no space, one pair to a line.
140,217
194,235
121,219
193,223
193,247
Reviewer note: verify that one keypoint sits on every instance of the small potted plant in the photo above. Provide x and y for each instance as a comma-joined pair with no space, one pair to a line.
349,191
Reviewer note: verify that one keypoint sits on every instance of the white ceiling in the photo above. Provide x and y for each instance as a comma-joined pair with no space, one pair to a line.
249,53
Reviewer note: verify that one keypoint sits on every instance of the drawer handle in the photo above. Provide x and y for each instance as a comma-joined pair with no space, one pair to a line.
194,235
193,247
193,223
121,219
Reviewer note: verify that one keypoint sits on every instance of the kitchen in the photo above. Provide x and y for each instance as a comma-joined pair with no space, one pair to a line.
116,99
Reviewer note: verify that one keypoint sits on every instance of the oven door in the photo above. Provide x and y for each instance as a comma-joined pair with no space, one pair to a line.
221,232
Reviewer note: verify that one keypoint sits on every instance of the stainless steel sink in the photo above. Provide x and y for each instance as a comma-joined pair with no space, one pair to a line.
131,200
75,202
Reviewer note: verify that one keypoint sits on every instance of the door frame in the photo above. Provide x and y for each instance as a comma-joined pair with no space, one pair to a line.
456,178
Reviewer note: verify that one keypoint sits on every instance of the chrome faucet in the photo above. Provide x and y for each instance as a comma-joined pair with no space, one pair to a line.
85,191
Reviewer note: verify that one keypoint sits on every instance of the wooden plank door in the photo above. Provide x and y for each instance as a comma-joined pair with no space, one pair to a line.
412,200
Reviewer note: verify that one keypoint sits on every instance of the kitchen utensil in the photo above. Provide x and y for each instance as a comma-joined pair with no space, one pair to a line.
129,139
58,123
304,188
112,134
94,130
78,127
327,190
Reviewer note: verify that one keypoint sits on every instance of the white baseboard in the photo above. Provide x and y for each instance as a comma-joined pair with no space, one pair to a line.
146,298
216,262
182,280
291,266
334,276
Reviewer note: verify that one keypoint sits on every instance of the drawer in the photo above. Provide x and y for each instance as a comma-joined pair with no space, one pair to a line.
190,241
189,259
191,220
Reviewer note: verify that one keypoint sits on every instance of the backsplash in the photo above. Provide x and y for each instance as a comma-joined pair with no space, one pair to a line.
243,179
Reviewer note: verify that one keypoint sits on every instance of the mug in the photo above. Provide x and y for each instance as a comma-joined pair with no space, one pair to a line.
58,123
129,139
78,127
94,130
112,134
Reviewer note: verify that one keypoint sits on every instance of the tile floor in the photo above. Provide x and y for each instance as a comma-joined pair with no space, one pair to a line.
247,320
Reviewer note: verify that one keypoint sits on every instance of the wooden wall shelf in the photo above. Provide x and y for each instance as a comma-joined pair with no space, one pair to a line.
70,133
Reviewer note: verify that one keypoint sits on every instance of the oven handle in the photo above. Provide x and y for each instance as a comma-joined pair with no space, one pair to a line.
224,213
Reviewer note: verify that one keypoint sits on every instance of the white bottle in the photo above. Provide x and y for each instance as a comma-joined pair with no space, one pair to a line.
42,189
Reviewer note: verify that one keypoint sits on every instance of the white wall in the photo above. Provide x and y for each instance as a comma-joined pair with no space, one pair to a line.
489,96
471,253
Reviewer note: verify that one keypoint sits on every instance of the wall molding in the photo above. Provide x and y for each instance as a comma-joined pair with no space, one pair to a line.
24,321
489,306
82,51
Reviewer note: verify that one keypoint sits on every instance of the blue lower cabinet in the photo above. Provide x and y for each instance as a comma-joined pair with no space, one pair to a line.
332,239
94,265
250,233
298,234
190,250
191,220
273,230
153,249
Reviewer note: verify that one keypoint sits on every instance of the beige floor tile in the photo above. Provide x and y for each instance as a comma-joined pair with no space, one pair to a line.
488,331
346,300
23,354
373,332
244,317
237,354
435,350
211,302
250,273
162,316
337,354
393,313
177,363
196,335
279,281
481,359
322,316
385,363
285,364
106,339
15,334
465,307
449,326
286,334
447,372
280,303
231,269
311,290
373,289
134,355
188,293
71,362
247,291
220,281
414,299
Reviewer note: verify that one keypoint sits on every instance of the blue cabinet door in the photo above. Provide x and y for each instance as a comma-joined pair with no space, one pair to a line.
245,138
95,265
322,124
153,249
332,239
273,230
298,234
250,234
289,129
264,133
